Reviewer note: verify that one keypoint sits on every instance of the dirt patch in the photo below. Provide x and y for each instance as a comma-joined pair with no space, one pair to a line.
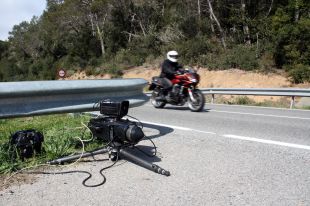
141,72
16,180
83,76
235,78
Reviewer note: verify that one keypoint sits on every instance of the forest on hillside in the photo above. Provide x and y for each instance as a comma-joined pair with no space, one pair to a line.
108,36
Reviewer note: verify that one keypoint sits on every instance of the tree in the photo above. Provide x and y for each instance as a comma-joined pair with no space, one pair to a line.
98,12
79,34
213,17
4,46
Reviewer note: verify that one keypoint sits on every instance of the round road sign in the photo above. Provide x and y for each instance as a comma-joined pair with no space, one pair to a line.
61,73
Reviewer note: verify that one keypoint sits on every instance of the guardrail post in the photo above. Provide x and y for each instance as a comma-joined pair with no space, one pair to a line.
212,100
292,102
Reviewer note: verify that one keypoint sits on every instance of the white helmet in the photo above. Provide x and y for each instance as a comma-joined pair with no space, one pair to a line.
172,56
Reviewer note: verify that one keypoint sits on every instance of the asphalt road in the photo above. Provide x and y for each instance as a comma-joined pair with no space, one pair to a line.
226,155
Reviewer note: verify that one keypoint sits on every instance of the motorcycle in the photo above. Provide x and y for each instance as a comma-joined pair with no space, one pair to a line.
184,90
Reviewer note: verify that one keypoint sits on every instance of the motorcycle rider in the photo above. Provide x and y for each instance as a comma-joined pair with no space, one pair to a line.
169,68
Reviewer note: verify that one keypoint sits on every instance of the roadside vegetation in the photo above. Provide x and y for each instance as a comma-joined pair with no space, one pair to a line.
108,36
60,139
306,107
283,102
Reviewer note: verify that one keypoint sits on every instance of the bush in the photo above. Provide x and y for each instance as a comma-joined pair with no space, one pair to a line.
299,73
71,61
127,58
266,62
113,69
192,49
139,49
240,56
89,71
243,100
214,61
153,60
70,72
243,57
214,57
291,38
94,61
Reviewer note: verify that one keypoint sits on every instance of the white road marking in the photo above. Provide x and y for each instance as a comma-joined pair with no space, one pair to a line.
266,141
178,127
252,139
254,114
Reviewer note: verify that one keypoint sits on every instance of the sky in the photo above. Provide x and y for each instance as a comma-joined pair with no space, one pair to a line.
13,12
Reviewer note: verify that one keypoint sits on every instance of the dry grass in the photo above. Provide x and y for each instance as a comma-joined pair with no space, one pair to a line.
82,75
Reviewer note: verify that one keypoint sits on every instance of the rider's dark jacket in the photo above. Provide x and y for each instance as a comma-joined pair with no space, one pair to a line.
169,69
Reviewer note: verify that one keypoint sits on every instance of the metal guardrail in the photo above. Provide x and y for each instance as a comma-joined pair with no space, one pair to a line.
291,92
29,98
20,99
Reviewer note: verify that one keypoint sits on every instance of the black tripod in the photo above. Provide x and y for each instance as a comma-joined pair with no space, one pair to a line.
120,133
115,152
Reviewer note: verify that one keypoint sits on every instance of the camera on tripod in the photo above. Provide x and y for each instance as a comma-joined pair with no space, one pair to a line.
118,133
112,128
114,109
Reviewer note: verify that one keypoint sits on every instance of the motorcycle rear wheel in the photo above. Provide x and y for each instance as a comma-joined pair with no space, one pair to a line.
156,103
200,101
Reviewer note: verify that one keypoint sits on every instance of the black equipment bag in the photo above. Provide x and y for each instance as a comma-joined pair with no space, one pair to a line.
26,143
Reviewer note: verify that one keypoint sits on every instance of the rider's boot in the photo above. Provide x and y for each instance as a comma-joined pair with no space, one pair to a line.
165,96
161,98
162,95
169,96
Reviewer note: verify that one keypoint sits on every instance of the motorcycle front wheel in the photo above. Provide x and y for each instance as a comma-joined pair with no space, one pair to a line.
157,103
199,103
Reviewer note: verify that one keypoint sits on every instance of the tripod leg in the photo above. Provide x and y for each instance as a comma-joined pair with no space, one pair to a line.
125,154
77,156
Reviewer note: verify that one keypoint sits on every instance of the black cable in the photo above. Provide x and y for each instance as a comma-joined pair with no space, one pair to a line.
104,178
81,171
75,171
145,153
136,119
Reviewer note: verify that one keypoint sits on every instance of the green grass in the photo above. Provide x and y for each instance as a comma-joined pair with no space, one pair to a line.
306,107
59,138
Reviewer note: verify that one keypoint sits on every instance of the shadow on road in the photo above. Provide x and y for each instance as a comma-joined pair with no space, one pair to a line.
144,152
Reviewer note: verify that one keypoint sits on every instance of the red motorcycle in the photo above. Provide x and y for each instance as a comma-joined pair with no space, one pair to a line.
184,90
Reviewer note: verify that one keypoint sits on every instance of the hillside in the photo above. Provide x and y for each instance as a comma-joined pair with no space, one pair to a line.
224,78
